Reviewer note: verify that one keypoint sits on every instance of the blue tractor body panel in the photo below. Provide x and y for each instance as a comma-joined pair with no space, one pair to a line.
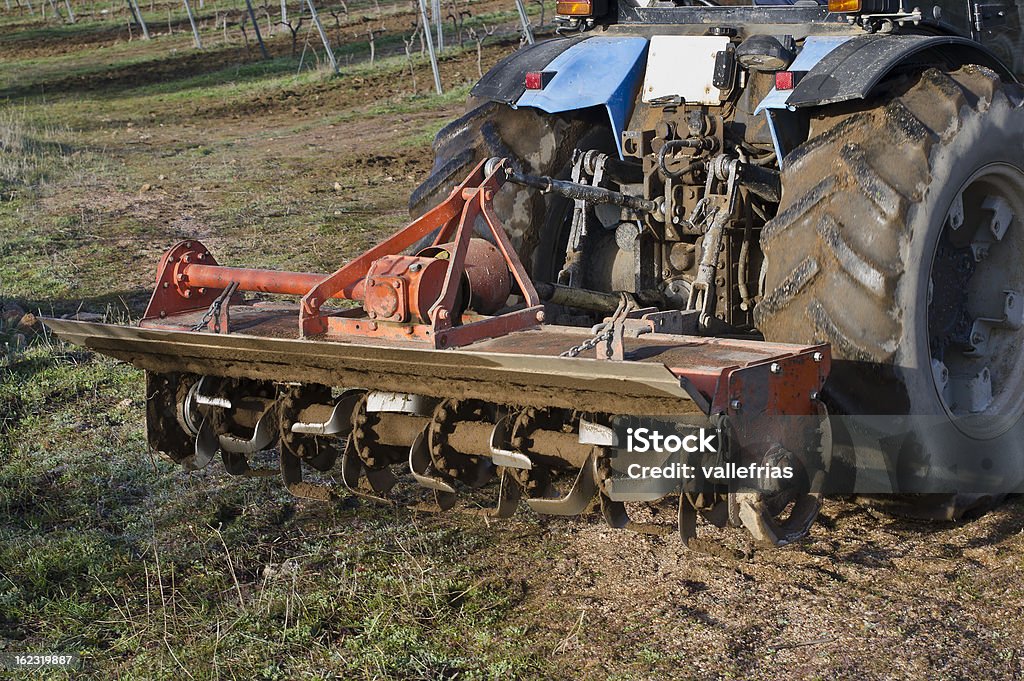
598,71
607,71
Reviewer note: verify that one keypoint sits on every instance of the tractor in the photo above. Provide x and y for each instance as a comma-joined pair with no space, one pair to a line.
788,232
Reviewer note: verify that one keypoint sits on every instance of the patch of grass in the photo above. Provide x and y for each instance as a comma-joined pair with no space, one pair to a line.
28,154
103,551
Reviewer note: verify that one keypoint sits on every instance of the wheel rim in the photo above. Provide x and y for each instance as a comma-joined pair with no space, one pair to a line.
976,300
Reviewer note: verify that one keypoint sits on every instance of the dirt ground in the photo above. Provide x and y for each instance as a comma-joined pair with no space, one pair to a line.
110,151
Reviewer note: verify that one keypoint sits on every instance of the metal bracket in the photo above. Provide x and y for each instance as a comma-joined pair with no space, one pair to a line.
1002,216
401,403
569,275
597,434
1013,318
987,15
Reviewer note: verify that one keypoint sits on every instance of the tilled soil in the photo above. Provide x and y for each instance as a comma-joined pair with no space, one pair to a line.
865,596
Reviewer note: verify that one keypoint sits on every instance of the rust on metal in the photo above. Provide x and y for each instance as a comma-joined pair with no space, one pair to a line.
426,298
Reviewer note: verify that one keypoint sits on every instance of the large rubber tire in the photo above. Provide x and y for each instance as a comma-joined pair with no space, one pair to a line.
850,252
538,143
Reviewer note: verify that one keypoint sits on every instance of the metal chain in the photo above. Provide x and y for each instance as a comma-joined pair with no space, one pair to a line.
606,332
213,312
590,343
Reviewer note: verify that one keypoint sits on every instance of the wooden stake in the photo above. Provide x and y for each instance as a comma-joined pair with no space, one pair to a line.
134,8
323,35
192,20
438,24
256,28
430,45
56,12
527,32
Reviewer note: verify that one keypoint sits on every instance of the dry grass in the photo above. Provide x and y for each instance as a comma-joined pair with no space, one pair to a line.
28,154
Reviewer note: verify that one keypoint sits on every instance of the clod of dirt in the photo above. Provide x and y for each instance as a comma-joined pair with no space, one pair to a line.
10,313
29,324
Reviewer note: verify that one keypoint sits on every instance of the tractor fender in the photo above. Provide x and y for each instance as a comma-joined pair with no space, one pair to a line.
505,82
578,74
856,66
843,68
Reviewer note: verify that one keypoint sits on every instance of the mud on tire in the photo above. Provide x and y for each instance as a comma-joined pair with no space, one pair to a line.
537,143
850,258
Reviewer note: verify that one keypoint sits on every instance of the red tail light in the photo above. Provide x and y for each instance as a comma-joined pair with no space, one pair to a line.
787,80
538,80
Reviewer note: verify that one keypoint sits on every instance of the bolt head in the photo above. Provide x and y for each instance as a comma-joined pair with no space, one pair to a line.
775,368
818,357
735,405
540,317
815,394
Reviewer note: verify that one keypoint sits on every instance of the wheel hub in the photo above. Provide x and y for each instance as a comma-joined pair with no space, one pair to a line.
975,304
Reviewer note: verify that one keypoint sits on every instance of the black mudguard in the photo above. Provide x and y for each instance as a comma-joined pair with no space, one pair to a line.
505,83
853,69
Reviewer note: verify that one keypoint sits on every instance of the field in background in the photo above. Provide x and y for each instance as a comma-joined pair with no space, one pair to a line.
110,150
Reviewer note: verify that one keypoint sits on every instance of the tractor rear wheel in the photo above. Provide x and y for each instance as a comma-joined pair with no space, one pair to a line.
535,142
900,241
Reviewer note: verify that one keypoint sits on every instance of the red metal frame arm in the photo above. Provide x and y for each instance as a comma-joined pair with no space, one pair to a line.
346,280
505,246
